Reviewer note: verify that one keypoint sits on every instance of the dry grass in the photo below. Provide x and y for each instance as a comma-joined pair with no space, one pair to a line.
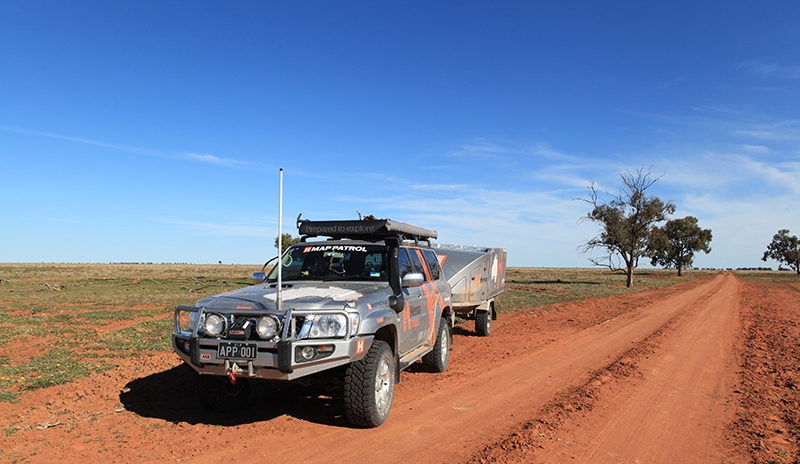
59,321
62,321
536,287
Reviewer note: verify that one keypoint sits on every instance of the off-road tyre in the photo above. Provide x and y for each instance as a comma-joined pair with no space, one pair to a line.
218,394
483,323
437,359
369,386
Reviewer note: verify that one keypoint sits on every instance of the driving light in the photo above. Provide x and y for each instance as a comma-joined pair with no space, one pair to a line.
214,325
308,352
267,327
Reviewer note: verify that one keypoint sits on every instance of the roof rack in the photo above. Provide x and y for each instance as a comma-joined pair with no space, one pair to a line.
364,229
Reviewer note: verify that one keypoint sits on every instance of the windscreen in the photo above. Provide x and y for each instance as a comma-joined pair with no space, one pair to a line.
333,262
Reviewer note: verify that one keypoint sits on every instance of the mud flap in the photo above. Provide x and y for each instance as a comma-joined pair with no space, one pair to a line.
285,356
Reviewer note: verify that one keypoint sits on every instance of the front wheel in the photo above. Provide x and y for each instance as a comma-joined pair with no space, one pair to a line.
437,359
369,386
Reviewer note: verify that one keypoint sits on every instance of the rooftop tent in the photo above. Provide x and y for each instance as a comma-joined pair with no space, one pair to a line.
364,229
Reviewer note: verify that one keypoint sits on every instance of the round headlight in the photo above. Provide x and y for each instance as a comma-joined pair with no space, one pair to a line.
267,327
214,325
308,352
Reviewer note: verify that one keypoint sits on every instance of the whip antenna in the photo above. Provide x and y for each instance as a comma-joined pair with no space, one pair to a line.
280,240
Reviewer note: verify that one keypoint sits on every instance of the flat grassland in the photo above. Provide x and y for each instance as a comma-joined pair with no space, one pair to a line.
63,321
578,368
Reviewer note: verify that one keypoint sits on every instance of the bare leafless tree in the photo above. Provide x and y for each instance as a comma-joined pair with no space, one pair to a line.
625,220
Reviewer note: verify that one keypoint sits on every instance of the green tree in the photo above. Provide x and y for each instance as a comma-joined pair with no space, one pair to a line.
625,221
674,244
286,241
784,249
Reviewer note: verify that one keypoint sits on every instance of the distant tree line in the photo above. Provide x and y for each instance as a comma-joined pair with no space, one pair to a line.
629,230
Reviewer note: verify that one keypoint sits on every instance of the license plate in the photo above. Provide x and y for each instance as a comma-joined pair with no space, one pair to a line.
237,350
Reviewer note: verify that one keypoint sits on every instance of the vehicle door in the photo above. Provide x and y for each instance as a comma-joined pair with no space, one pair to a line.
415,315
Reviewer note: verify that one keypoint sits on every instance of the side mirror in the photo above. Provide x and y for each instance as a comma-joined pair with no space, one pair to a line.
413,279
259,277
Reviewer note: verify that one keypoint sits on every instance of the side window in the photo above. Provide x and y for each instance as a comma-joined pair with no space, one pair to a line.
414,254
405,264
433,264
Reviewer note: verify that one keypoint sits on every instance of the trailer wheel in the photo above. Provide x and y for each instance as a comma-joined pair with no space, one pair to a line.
218,394
369,386
437,359
483,323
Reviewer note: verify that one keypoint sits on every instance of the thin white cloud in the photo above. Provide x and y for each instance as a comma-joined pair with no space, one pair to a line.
777,131
216,160
758,149
481,148
451,187
211,159
140,151
542,150
768,70
485,148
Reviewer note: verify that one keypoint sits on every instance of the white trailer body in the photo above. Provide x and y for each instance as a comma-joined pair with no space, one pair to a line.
476,276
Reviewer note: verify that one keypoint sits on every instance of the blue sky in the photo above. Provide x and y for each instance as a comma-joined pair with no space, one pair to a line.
154,131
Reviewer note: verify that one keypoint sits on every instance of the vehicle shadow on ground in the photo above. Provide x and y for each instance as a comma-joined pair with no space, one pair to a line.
459,330
171,395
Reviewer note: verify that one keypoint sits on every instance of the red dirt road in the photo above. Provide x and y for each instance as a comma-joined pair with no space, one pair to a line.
681,374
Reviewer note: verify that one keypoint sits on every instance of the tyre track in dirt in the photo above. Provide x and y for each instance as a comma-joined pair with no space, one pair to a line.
673,405
464,416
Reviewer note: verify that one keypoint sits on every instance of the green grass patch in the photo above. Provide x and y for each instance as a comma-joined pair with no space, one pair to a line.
55,367
8,397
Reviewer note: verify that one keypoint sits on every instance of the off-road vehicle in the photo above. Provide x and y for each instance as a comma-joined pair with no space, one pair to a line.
351,311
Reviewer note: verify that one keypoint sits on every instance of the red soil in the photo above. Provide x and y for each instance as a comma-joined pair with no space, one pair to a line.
702,372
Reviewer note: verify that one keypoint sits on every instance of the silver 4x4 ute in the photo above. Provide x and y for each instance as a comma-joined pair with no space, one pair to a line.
352,311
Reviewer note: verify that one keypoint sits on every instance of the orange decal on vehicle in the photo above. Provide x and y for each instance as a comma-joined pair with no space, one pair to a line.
432,297
424,265
360,346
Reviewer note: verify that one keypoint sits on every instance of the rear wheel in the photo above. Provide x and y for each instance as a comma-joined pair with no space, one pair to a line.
369,386
438,358
483,323
219,394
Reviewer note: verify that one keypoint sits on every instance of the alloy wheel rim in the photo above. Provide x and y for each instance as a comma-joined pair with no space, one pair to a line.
383,385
